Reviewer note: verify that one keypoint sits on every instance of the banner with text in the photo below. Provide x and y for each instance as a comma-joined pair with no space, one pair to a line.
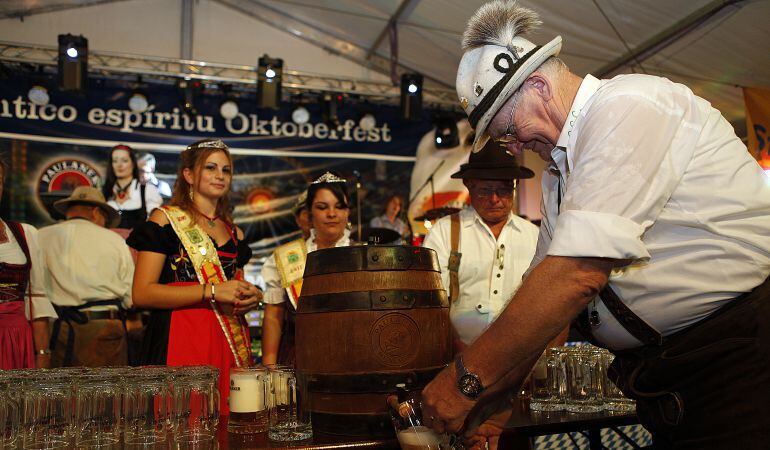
102,116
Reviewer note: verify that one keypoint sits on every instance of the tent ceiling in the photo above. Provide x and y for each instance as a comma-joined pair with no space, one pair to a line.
716,58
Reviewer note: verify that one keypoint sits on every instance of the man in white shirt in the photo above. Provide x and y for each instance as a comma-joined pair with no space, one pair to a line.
91,272
650,194
494,246
147,164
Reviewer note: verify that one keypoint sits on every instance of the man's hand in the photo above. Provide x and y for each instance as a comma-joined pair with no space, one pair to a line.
444,408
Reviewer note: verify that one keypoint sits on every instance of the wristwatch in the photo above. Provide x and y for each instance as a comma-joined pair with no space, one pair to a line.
468,383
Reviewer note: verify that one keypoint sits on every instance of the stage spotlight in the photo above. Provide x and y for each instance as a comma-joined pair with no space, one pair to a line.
411,96
367,122
446,134
329,106
300,115
73,63
138,102
269,74
38,95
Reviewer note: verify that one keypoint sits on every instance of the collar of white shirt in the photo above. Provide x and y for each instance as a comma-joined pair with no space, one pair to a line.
343,242
587,89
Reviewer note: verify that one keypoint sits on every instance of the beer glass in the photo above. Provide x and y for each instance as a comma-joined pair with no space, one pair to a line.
97,409
289,410
548,381
192,441
147,408
614,400
98,443
196,403
48,410
406,416
10,408
584,380
3,417
248,409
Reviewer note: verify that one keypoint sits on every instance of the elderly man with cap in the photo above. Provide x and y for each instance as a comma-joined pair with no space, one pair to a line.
484,249
91,271
655,237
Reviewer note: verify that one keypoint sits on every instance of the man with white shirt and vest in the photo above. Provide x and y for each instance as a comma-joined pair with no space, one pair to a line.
655,238
484,249
91,272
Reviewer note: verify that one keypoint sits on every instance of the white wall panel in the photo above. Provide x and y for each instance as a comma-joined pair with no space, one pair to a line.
225,35
147,27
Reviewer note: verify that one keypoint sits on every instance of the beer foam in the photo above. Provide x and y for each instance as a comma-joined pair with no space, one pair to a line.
420,435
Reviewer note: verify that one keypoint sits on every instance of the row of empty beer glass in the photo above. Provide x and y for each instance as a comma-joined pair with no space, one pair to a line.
574,379
109,408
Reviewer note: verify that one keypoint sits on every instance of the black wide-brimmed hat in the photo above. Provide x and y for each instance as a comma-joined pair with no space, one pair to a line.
493,162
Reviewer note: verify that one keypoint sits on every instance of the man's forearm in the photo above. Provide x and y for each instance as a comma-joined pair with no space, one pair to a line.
548,299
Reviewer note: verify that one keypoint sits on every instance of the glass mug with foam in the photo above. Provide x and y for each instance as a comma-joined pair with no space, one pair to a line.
406,415
247,401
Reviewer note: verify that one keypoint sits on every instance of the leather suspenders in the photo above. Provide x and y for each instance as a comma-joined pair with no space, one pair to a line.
454,259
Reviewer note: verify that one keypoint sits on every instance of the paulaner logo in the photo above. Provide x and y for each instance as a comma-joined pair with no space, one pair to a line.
66,175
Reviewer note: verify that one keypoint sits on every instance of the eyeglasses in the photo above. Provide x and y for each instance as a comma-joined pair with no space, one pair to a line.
502,192
510,135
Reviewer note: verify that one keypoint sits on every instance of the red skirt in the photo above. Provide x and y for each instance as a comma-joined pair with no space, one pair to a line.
195,338
16,348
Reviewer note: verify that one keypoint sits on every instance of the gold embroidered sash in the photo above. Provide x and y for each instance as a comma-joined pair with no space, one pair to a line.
204,258
290,260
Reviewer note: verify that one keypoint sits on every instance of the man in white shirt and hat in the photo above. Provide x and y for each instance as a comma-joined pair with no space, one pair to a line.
655,237
91,271
485,248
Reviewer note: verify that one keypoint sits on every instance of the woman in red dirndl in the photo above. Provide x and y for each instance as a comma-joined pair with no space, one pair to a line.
197,305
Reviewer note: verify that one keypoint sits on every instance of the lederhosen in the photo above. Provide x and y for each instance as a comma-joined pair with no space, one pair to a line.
14,284
79,315
705,387
129,218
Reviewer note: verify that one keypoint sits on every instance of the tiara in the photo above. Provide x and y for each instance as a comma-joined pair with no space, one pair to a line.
214,143
329,177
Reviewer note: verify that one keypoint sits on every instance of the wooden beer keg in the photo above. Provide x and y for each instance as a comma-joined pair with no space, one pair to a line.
369,318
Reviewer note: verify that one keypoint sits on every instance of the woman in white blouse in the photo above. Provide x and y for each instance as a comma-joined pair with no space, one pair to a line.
24,306
328,205
124,191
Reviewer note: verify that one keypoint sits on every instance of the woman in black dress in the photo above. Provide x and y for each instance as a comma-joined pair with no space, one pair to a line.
125,192
197,300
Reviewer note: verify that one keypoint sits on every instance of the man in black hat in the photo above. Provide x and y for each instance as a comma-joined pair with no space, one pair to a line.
485,249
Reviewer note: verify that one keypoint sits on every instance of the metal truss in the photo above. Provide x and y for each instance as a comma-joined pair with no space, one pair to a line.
109,63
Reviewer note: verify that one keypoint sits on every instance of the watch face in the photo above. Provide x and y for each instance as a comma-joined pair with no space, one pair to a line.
470,385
